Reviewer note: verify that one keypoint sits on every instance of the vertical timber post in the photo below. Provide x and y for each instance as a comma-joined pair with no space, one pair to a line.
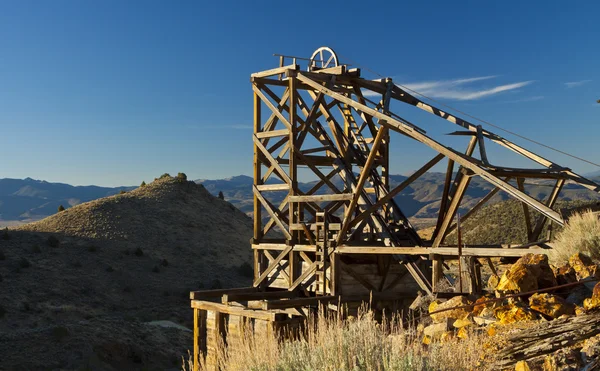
294,207
257,235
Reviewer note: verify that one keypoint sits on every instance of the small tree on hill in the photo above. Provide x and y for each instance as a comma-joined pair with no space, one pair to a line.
181,178
221,196
61,208
143,184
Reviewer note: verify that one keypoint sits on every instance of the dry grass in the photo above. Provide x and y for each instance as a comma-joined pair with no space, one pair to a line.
361,343
580,234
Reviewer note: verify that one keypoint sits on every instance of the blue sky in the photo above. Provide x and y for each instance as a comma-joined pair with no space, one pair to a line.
116,92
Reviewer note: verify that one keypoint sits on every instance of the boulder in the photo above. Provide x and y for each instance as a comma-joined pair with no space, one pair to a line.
583,266
436,330
594,301
522,366
482,303
565,274
457,301
530,272
538,264
550,305
512,313
460,323
577,295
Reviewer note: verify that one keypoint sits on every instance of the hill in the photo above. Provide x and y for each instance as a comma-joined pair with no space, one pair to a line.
84,289
28,199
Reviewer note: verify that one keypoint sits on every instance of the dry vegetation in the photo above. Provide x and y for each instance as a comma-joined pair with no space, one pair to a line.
580,234
358,343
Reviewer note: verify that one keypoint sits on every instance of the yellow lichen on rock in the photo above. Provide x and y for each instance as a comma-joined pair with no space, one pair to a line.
594,301
550,305
457,301
583,266
522,366
514,313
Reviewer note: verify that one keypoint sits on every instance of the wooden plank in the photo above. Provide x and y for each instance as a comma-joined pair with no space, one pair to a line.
205,294
444,199
282,304
196,364
230,309
267,205
226,298
275,71
360,279
273,187
272,133
448,152
537,230
443,251
305,275
257,171
481,142
321,198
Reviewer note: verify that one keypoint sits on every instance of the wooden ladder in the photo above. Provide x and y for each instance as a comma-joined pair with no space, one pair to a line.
321,252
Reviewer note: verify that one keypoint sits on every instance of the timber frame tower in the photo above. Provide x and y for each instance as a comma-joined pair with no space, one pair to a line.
346,239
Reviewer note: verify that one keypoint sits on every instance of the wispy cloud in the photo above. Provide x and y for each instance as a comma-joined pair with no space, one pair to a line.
526,99
457,89
223,126
574,84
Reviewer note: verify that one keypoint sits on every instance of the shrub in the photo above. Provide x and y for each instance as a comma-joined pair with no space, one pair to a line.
52,241
61,208
216,284
139,252
246,270
2,256
181,178
143,184
164,263
122,192
165,175
24,263
36,249
155,269
580,234
221,196
5,235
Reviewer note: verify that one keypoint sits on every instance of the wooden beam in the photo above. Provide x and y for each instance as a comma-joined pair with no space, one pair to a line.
359,278
273,161
444,199
399,188
321,198
205,294
302,302
268,103
449,152
273,187
272,133
227,298
443,251
231,309
275,71
272,265
480,140
537,230
267,205
525,210
361,182
452,209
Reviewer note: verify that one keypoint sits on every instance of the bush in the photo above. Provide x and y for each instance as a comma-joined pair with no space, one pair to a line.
216,284
52,241
143,184
181,178
155,269
165,175
61,208
122,192
580,234
221,196
246,270
36,249
139,252
2,256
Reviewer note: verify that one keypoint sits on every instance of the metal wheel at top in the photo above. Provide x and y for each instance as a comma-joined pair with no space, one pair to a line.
324,57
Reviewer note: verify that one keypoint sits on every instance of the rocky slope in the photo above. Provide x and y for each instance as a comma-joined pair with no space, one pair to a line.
84,289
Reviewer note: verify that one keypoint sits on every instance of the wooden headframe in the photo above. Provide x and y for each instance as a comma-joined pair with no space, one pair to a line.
324,122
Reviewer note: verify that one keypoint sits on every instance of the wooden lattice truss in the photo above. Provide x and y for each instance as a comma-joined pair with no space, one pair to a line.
322,121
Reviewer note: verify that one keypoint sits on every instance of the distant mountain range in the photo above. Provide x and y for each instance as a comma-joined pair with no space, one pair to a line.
24,200
29,199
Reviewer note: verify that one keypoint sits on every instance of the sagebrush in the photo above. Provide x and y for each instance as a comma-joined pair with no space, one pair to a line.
580,234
